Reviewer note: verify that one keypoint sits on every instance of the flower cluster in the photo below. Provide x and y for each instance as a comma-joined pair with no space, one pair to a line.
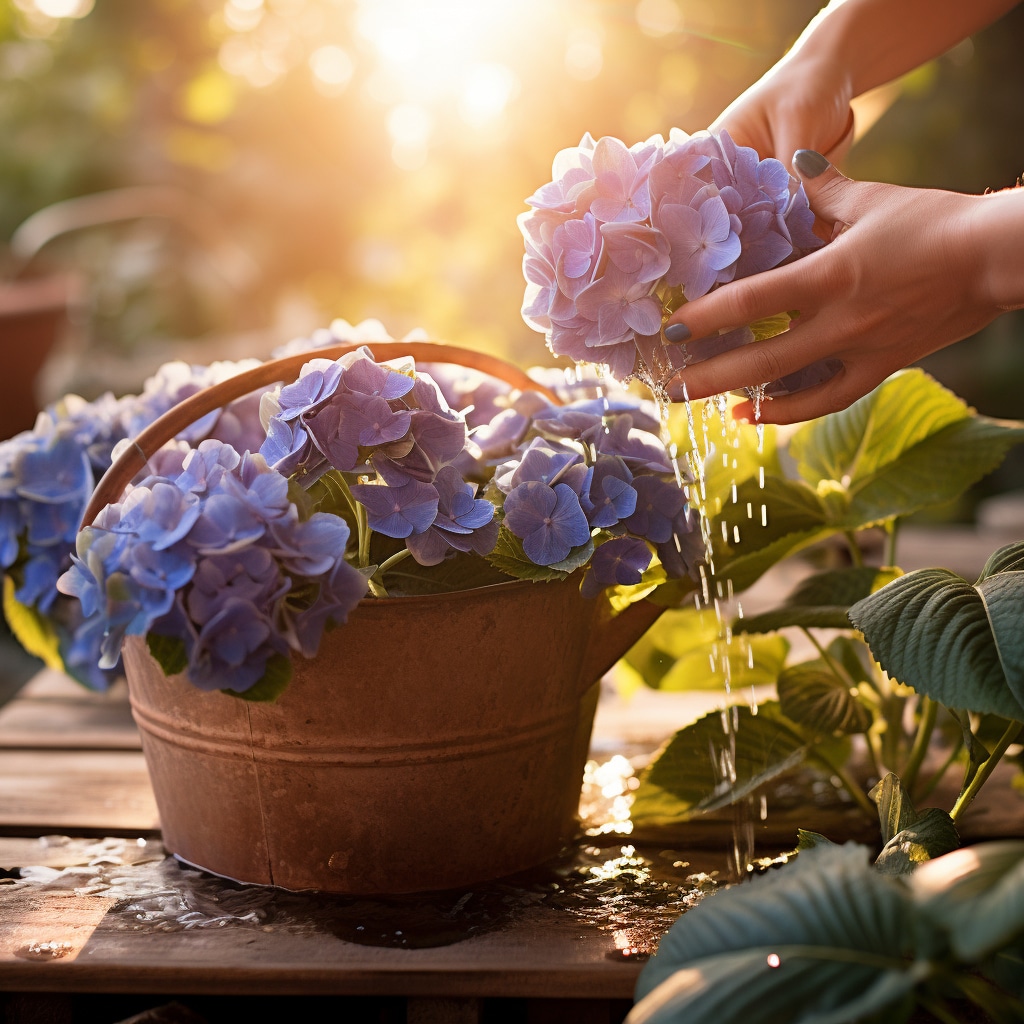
623,235
591,483
265,523
47,475
211,553
391,440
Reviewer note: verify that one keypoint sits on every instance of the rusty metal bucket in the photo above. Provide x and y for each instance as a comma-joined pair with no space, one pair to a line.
433,742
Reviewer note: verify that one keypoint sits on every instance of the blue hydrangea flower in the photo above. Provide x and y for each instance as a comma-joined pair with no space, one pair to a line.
620,561
548,520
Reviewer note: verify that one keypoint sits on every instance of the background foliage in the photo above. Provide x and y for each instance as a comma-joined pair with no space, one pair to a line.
369,157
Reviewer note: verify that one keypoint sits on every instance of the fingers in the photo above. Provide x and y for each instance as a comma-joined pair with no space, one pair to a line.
829,192
748,366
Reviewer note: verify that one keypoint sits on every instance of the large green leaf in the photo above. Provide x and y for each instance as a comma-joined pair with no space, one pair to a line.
873,432
907,445
976,894
684,650
691,773
824,939
962,645
812,695
822,600
794,518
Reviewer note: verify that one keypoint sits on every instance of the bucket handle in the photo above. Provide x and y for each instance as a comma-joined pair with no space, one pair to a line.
135,456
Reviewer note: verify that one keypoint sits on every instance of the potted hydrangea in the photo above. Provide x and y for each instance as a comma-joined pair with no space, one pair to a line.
267,549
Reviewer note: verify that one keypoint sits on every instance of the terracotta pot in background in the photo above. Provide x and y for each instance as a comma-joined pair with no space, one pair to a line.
34,315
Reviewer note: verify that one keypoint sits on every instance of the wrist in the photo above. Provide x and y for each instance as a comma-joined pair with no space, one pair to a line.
997,231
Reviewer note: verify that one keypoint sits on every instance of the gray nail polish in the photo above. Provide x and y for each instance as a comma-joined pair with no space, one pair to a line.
809,163
677,332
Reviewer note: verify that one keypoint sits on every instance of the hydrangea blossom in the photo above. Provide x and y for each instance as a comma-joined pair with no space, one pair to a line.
217,552
227,567
622,236
48,473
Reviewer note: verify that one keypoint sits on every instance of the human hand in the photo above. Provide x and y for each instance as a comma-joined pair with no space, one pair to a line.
909,271
798,104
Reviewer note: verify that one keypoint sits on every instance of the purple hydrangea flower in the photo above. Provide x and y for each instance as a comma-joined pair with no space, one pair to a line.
620,561
548,520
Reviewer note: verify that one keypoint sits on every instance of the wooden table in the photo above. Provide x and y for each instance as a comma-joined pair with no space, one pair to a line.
73,949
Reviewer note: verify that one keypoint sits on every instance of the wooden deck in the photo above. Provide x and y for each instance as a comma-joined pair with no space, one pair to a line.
98,925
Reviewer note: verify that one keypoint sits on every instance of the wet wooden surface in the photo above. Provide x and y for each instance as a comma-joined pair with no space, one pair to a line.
71,765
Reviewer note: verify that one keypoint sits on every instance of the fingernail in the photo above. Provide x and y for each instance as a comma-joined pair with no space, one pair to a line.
677,332
809,163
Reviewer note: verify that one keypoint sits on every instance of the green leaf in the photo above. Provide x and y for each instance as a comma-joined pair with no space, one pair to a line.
270,685
168,652
852,445
976,894
690,774
794,518
896,809
822,600
806,840
1007,559
770,326
33,631
813,696
840,932
931,835
684,650
461,571
960,645
908,445
509,557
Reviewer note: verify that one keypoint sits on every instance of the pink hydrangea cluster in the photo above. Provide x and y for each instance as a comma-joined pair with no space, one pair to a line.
622,236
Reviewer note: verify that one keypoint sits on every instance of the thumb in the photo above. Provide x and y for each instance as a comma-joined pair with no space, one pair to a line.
826,187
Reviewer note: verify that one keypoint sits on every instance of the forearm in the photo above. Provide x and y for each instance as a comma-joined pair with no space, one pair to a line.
997,236
876,41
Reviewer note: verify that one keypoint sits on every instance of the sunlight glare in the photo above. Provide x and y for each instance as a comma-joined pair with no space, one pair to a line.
486,94
584,54
658,17
332,68
64,8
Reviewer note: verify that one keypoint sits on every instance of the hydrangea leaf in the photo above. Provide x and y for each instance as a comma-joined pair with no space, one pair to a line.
508,557
907,445
896,810
812,695
169,653
931,835
976,894
962,645
683,781
271,684
822,600
807,840
683,651
826,937
33,631
794,517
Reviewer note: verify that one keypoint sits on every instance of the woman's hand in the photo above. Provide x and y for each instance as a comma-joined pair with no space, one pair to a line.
909,271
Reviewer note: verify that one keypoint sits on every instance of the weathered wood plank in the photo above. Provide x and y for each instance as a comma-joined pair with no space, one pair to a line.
57,791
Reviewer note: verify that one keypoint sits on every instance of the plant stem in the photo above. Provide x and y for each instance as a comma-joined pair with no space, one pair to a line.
384,566
937,775
925,727
849,784
1013,730
837,669
856,555
891,529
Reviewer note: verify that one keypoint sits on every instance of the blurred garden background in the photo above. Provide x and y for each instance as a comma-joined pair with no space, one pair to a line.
223,175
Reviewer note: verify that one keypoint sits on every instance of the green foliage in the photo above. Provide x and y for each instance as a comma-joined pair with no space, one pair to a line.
813,695
717,760
509,557
168,652
908,445
959,643
33,631
828,938
683,651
